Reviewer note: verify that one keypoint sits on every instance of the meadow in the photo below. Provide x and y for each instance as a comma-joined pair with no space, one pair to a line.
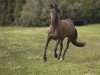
21,52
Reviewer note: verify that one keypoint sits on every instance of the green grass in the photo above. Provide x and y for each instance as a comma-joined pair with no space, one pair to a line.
21,52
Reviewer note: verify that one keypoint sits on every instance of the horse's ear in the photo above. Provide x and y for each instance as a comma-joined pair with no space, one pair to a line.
51,6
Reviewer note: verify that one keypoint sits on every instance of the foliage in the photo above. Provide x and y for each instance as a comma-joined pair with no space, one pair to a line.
36,12
10,11
6,11
17,10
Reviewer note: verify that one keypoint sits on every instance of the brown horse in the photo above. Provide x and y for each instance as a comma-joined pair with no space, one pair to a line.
60,29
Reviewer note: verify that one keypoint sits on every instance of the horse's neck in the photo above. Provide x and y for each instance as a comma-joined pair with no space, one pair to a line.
54,26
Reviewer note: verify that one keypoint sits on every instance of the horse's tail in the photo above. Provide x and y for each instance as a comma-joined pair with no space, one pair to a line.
74,40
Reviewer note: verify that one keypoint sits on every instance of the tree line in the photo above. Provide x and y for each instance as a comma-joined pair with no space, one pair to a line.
36,12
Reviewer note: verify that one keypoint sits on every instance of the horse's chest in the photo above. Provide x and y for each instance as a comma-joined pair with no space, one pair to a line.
55,35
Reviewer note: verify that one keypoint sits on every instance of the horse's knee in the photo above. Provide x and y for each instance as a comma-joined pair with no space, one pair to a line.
45,59
55,48
61,47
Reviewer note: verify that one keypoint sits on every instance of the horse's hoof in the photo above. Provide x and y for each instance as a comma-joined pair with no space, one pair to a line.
56,55
61,58
45,59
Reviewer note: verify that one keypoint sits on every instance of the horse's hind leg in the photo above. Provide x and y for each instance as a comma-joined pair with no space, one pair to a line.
67,46
55,49
61,47
46,46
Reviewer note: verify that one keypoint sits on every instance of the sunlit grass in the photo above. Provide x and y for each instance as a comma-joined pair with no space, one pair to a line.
21,52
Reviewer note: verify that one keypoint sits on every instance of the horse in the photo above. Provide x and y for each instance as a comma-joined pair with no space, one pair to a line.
58,31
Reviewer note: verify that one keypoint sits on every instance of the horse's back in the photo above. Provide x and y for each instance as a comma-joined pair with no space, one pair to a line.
67,23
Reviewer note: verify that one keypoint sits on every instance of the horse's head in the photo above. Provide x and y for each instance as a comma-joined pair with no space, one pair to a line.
54,13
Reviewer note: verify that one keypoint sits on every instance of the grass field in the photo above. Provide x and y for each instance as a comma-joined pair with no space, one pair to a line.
21,52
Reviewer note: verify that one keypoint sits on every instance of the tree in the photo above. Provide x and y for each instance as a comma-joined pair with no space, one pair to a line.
36,12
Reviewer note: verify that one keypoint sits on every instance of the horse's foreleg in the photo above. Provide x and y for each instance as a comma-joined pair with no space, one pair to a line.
61,47
55,49
67,46
45,49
